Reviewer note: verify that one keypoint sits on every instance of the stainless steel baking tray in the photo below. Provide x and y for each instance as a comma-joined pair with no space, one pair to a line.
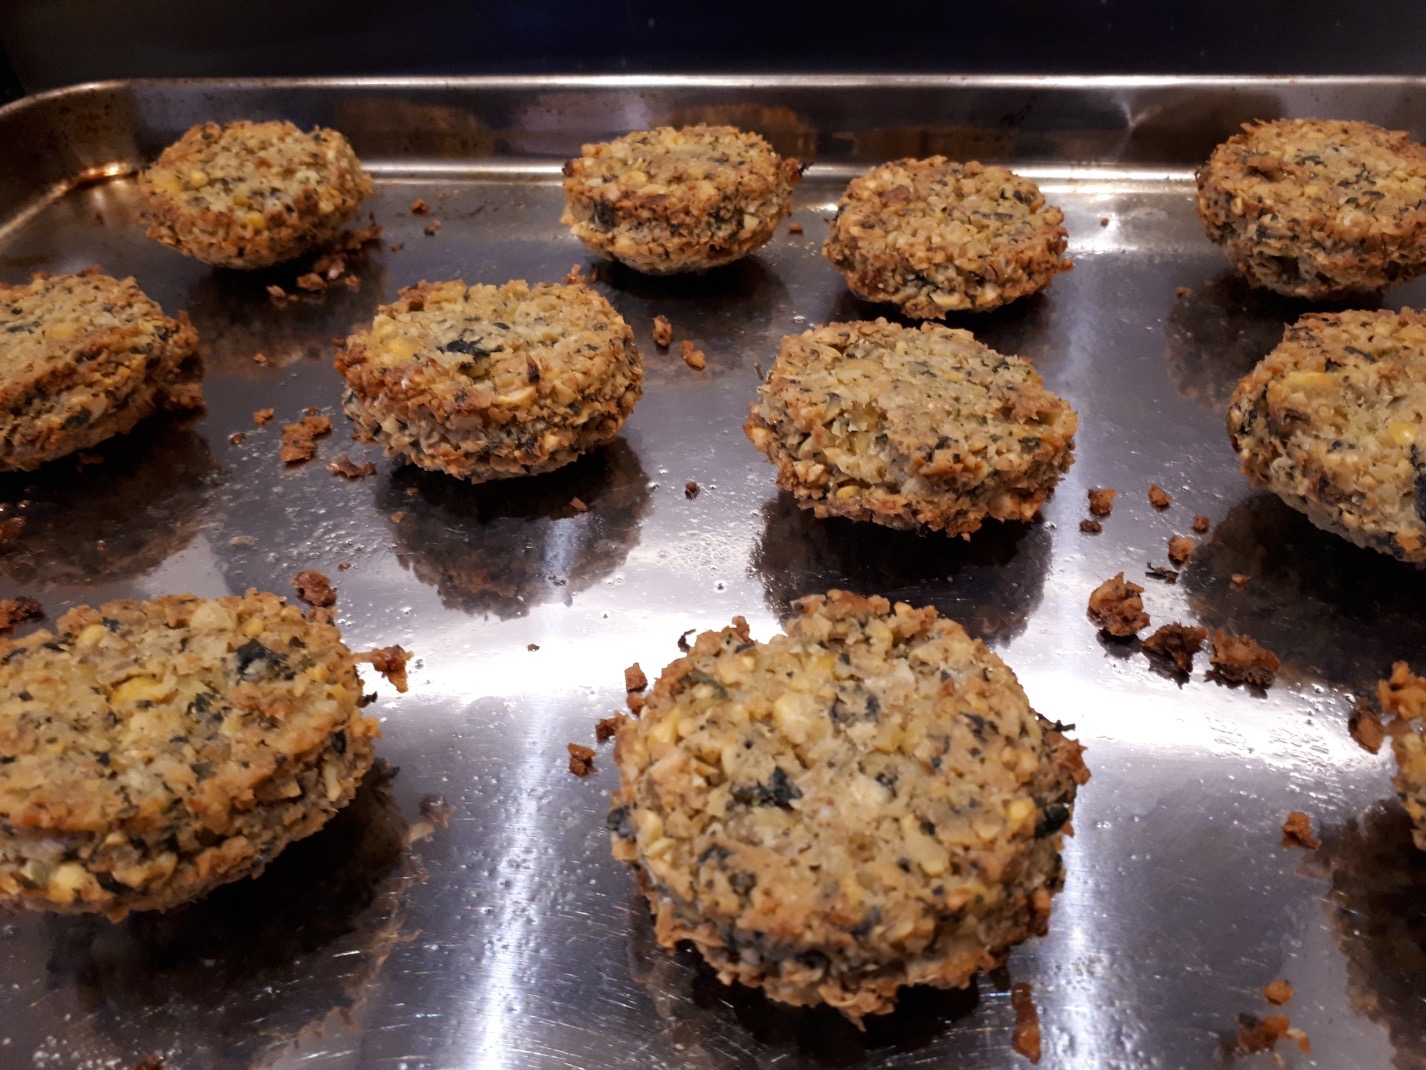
509,938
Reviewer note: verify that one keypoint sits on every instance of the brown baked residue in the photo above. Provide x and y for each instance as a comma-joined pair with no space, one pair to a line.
663,332
1278,991
1238,581
1116,607
345,466
1239,659
605,728
1026,1038
1260,1034
581,759
314,588
1364,723
1158,497
1101,500
692,355
390,661
634,678
299,440
15,610
1201,524
1181,548
262,417
1297,831
1090,527
1177,643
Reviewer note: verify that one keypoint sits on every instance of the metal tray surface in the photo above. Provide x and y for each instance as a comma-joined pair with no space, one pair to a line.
510,938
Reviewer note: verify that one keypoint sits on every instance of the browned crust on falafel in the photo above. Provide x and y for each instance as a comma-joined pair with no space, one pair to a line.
250,195
933,236
909,427
150,751
865,803
484,382
1318,208
1331,421
672,200
84,358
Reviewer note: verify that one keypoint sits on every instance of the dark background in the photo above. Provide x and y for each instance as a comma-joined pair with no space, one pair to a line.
48,43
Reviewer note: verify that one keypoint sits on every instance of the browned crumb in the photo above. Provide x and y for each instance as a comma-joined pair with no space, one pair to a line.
1116,607
10,528
262,417
1091,527
1201,524
153,1062
1364,723
309,282
581,759
14,610
277,293
1297,832
692,355
683,639
1101,500
437,809
431,228
1158,497
1239,659
575,276
418,207
1260,1034
1181,548
314,588
390,661
398,516
1239,581
299,440
794,228
578,505
663,332
1104,221
343,566
605,727
345,466
1161,572
634,678
1026,1038
532,646
237,438
397,246
1177,642
1181,292
411,492
691,489
1278,991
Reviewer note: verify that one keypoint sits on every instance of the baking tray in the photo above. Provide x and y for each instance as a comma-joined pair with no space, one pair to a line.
510,938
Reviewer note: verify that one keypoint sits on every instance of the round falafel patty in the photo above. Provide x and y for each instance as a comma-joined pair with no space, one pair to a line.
864,803
671,200
1320,209
932,236
1334,421
485,382
909,427
250,195
151,751
84,358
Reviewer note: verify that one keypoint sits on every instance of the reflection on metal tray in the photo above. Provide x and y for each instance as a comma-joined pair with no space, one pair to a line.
511,938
